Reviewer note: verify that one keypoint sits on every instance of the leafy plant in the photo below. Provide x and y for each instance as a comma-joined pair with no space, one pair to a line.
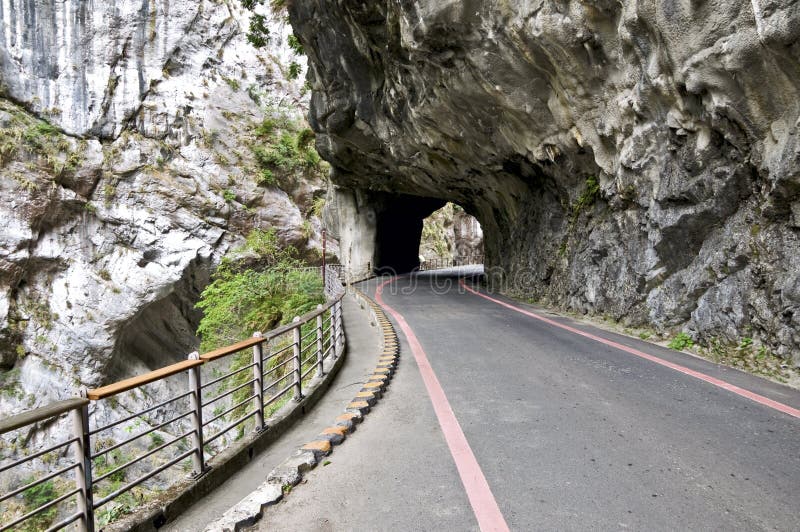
681,341
257,288
266,178
36,497
294,70
295,44
587,197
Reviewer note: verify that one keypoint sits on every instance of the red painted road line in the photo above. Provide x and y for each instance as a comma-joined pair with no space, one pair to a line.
786,409
480,496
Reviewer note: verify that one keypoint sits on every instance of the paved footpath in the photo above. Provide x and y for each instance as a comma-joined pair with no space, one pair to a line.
363,343
570,428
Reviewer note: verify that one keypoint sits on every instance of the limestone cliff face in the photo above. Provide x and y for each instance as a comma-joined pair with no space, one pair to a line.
639,159
125,174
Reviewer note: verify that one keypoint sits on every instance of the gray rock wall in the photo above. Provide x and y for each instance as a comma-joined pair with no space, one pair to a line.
636,159
125,175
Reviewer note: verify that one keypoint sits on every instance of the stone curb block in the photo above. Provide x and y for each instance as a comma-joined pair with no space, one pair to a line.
248,510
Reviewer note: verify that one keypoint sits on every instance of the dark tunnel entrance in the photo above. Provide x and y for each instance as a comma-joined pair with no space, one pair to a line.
399,230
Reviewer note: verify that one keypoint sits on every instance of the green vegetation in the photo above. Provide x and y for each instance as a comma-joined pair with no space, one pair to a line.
295,44
257,294
232,83
586,199
266,178
294,70
681,341
744,355
434,233
318,206
34,498
39,141
284,146
256,289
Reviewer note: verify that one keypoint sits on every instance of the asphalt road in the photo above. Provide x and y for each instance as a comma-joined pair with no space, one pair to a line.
570,434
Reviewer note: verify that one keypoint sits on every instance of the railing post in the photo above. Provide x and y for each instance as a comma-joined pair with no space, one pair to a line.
334,330
320,354
339,330
258,376
298,390
82,453
196,400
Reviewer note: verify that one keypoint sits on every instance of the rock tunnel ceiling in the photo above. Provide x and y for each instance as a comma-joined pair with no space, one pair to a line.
625,159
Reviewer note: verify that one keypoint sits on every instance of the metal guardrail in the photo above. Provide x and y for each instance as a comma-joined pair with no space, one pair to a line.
445,262
202,413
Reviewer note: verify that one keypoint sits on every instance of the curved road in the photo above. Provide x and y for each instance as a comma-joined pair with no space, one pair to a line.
531,426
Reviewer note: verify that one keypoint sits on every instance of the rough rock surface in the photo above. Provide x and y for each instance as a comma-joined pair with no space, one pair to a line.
126,174
638,159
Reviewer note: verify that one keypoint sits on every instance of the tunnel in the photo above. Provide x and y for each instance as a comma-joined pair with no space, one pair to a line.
398,232
380,232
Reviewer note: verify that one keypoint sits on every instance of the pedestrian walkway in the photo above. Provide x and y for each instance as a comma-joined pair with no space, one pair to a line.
363,343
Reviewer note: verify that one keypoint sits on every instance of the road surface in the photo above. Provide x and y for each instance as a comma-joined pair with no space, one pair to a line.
569,433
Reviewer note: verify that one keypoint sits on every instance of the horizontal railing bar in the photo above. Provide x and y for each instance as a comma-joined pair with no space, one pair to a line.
312,356
229,427
278,395
136,437
68,521
305,318
138,459
141,479
39,414
313,332
141,380
231,349
309,370
229,392
39,481
37,454
309,346
141,413
279,366
290,374
211,383
228,411
40,509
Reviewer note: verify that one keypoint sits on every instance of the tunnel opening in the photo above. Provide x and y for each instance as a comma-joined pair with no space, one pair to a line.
399,230
386,233
451,235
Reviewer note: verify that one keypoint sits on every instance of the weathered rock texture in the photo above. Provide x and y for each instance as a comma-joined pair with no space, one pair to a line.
684,112
116,208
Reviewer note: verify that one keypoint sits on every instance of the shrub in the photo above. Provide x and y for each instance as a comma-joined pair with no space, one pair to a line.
266,178
294,70
681,342
36,497
256,295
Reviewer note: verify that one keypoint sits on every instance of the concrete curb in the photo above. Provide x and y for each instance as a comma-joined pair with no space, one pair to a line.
290,473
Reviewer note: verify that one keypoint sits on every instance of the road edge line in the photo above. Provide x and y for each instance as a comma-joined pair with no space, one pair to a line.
764,401
480,496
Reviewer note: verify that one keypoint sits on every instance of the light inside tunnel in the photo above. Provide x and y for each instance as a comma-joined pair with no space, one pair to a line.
450,234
